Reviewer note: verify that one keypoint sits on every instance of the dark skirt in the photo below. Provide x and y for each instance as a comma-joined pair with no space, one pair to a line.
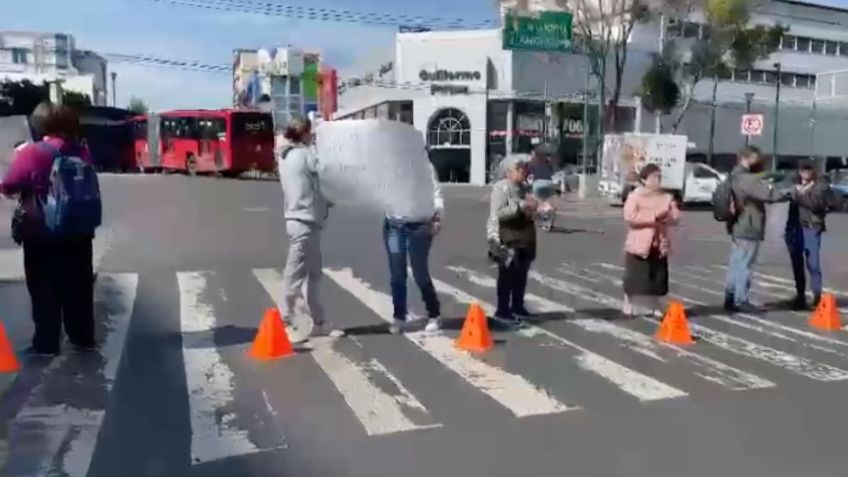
646,276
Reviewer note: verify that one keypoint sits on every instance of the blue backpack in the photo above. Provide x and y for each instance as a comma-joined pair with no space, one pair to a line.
72,206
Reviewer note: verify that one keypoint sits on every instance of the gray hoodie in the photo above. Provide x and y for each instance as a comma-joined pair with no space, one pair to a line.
751,194
302,192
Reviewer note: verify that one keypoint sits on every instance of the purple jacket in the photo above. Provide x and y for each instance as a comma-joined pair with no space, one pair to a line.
29,177
30,169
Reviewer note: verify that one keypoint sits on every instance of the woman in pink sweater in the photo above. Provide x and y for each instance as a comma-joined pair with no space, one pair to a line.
648,211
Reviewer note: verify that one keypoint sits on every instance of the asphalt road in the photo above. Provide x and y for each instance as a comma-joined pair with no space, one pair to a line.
187,267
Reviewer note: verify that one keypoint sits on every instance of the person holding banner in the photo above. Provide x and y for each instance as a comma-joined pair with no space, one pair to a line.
306,210
412,235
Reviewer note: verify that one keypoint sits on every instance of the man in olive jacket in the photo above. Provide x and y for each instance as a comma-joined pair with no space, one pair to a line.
750,196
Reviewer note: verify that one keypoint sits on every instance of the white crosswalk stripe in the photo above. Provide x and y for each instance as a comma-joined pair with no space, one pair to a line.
51,436
377,410
513,392
214,435
384,396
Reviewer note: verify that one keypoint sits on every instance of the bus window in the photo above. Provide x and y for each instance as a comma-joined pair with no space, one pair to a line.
254,124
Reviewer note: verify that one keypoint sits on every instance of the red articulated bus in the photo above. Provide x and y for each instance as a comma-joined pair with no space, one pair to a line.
227,141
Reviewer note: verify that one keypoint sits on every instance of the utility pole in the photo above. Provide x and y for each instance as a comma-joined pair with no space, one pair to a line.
657,114
749,97
776,118
114,90
711,144
56,92
586,115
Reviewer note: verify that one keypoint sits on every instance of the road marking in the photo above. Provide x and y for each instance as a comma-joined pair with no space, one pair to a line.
59,437
378,411
790,362
512,391
211,394
644,388
708,368
779,327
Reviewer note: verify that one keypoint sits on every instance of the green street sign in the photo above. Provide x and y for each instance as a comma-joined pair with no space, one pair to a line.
541,31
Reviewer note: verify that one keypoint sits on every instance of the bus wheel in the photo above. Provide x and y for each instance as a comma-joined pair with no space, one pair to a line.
191,165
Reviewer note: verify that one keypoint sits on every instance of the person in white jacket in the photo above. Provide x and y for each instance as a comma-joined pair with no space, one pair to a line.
412,236
306,210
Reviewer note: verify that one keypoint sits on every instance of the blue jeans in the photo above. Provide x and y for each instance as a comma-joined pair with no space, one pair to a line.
805,247
743,254
413,239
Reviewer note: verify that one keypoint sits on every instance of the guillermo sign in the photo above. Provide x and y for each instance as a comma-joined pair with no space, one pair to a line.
539,31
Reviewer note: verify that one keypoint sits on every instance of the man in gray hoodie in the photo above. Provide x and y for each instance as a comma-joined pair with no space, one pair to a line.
306,210
750,196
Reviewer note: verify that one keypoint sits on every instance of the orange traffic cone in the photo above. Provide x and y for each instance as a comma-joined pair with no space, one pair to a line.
475,334
674,328
271,341
826,315
8,362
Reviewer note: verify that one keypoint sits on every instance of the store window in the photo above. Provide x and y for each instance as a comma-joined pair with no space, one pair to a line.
449,127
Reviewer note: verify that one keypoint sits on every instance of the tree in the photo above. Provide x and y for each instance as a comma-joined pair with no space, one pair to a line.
730,44
138,106
76,100
601,30
659,90
20,97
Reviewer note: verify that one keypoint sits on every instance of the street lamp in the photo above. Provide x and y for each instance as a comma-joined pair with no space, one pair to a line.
114,90
776,117
749,97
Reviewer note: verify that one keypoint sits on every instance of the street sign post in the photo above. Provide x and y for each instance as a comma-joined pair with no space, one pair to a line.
752,125
538,31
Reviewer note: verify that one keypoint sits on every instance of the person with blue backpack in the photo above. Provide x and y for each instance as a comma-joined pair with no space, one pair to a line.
59,208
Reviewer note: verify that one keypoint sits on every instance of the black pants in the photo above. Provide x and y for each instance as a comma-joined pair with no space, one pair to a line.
59,277
512,283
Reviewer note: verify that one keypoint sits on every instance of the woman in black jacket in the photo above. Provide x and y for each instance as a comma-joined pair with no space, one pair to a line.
811,200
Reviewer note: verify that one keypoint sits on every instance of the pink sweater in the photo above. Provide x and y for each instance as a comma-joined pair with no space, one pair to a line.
640,213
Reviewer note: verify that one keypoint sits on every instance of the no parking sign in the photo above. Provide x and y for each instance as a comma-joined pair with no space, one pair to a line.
752,124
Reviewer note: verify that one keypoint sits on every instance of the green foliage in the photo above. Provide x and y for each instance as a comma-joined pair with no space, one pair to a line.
75,100
138,106
21,97
659,90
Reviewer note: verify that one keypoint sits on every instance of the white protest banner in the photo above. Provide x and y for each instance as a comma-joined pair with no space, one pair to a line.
374,163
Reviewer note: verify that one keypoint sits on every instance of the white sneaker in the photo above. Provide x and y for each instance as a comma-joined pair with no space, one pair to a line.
297,334
320,330
433,325
396,327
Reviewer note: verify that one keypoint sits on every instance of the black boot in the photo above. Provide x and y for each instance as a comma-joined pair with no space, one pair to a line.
800,303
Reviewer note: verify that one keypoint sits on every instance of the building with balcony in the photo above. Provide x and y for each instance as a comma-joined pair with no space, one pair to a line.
41,57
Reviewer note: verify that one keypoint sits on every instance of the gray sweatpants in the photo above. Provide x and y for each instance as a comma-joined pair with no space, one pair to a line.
303,273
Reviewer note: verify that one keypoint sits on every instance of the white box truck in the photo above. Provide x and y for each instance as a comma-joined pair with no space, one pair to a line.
625,154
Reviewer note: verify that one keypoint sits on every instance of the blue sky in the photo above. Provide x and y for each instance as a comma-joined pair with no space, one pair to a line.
145,27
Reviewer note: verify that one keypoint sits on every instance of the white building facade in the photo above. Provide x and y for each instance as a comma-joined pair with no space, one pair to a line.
41,57
473,100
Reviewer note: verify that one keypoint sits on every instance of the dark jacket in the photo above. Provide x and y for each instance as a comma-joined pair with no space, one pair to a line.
541,169
751,194
516,229
808,209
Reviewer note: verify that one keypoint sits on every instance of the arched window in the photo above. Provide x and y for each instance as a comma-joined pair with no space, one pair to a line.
449,128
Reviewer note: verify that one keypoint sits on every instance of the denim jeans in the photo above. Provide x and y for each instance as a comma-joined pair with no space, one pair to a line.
743,254
412,239
805,248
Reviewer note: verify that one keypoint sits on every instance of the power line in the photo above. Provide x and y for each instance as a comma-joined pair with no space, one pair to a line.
149,60
331,14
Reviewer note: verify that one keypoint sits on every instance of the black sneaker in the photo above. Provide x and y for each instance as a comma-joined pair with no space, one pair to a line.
800,304
40,353
522,313
816,301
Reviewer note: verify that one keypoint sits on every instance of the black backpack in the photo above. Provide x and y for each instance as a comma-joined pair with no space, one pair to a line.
724,203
